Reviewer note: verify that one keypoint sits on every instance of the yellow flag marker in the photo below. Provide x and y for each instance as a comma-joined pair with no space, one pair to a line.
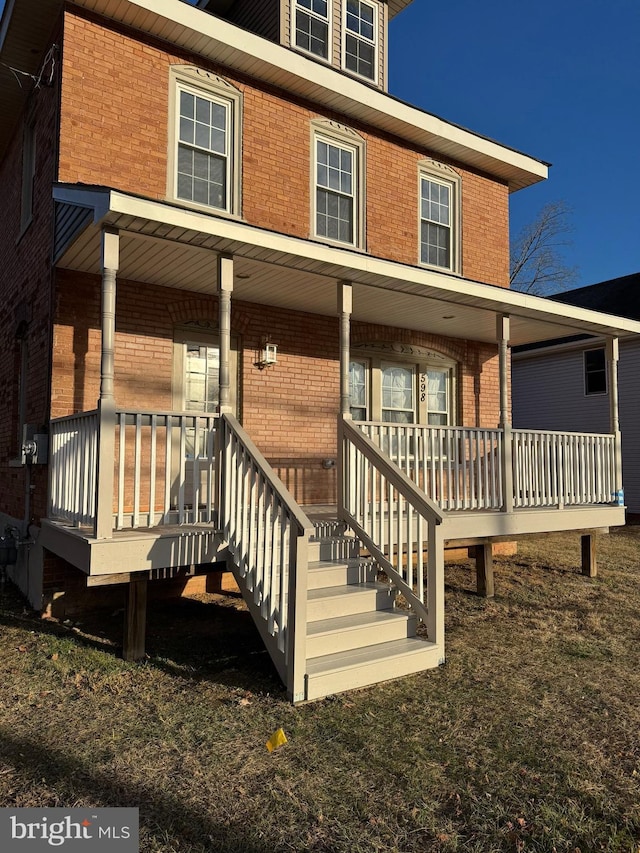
276,740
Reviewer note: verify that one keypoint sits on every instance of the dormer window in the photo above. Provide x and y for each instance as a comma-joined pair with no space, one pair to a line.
312,27
361,27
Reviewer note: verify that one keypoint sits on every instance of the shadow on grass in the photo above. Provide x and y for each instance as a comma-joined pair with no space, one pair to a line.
214,640
163,815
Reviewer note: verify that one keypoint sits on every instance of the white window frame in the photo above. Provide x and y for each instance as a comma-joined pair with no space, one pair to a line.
343,138
586,373
439,173
206,85
374,43
295,7
420,364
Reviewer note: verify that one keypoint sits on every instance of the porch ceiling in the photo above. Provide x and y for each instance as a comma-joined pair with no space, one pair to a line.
165,245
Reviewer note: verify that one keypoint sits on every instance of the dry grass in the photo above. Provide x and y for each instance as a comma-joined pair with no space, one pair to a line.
527,739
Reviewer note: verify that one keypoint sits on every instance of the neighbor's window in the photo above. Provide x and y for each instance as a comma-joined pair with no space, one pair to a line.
311,27
336,199
360,30
595,372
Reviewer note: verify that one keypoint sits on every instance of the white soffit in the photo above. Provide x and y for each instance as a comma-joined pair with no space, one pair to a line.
219,41
170,246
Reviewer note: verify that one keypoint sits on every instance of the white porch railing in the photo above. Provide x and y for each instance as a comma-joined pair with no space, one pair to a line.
457,467
460,468
267,535
163,468
563,469
72,468
396,521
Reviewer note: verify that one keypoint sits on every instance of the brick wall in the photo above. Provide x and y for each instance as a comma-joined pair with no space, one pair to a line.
289,410
114,131
25,297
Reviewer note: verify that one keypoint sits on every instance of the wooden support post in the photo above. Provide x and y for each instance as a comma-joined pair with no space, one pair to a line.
502,334
135,620
484,570
589,563
345,309
225,289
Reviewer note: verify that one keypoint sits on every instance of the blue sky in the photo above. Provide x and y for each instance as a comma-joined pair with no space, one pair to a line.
557,79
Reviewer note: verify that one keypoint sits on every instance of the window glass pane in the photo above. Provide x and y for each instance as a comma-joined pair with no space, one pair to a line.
595,372
202,157
312,34
335,192
187,104
358,381
397,392
202,377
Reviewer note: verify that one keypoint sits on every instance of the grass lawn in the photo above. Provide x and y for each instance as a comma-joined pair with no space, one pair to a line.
528,738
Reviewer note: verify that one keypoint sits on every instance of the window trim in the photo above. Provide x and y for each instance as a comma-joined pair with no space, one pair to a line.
585,373
208,85
329,20
343,137
431,170
421,360
375,43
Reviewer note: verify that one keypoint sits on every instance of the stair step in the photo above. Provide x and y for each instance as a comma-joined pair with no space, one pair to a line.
334,548
341,633
326,573
335,673
345,600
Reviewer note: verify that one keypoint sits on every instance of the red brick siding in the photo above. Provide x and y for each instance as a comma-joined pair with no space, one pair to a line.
114,131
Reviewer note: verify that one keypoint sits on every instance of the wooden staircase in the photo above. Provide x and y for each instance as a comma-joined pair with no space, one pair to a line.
356,636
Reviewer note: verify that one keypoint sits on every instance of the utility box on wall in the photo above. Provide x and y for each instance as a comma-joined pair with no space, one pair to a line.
35,446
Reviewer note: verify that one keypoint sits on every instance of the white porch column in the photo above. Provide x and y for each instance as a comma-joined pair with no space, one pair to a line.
345,309
614,415
502,334
225,289
103,524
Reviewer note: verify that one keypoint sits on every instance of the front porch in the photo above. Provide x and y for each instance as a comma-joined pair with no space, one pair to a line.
138,489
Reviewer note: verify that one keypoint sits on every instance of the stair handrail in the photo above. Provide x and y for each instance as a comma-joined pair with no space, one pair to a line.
357,506
263,524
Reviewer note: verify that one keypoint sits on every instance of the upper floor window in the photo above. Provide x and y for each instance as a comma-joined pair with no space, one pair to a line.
439,237
312,26
595,372
338,181
360,32
206,161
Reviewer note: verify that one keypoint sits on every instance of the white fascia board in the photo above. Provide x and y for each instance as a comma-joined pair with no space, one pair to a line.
227,44
109,204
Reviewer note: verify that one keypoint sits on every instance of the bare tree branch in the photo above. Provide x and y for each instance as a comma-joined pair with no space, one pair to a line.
536,253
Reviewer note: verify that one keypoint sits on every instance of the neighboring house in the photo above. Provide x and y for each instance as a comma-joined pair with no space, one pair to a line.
563,384
252,306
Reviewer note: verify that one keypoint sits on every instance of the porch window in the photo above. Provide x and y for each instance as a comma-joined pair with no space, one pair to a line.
360,30
398,393
595,372
202,377
336,192
205,149
311,27
402,392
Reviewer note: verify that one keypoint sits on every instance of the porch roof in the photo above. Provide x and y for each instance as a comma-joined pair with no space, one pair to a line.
167,245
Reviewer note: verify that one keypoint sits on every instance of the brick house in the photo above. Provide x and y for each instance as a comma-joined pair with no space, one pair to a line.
257,316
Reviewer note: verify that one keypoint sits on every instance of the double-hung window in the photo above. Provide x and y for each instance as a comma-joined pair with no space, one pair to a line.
204,150
206,147
439,191
336,199
312,27
360,31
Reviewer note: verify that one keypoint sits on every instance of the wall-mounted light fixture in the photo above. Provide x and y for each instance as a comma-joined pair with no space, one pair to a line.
267,355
